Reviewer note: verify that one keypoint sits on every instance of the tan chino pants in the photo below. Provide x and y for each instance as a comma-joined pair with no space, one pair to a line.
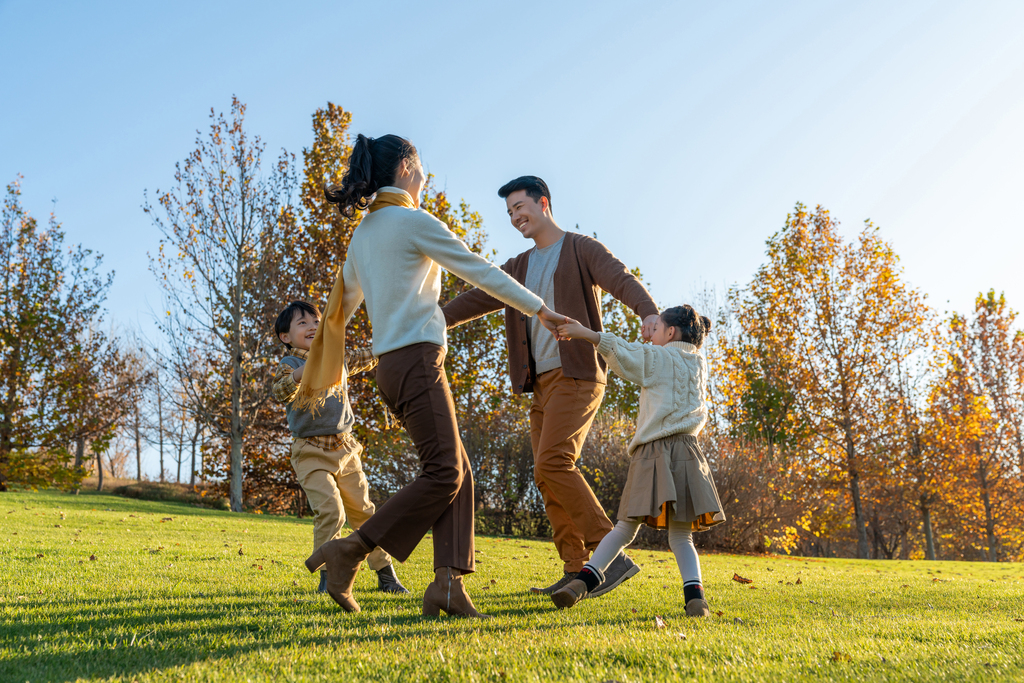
336,488
563,410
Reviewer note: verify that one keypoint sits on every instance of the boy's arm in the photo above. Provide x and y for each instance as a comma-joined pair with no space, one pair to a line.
285,387
360,359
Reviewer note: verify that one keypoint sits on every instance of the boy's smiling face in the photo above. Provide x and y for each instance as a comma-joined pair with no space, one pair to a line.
301,332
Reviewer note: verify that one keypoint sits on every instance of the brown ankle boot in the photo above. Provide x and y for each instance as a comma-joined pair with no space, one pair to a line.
448,593
342,557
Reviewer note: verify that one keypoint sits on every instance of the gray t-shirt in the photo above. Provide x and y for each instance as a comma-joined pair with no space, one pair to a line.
540,279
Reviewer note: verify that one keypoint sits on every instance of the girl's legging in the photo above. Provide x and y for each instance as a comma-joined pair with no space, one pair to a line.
680,540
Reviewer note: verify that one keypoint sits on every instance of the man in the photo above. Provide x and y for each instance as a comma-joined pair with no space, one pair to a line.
567,378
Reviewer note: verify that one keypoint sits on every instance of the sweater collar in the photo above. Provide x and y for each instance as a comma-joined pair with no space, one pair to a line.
682,346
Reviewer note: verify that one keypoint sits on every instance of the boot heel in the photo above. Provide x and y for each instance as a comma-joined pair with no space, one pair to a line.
431,609
315,561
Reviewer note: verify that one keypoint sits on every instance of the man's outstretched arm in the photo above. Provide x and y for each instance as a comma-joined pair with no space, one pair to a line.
612,275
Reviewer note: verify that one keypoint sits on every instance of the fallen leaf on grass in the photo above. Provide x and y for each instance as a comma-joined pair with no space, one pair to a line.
635,610
167,519
39,555
240,551
798,582
737,620
92,558
753,588
494,581
1018,618
904,586
659,622
840,656
719,612
739,579
682,636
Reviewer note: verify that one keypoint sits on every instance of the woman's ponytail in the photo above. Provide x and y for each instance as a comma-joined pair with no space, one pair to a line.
373,164
692,326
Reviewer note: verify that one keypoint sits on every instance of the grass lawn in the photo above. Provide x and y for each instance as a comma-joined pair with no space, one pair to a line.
98,587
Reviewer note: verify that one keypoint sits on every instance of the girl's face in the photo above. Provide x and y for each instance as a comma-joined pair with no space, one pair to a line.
663,334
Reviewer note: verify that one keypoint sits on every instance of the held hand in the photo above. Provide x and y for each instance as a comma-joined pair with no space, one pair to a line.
572,329
550,320
297,374
648,328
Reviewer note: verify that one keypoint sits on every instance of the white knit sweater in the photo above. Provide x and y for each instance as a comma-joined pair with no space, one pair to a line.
394,260
673,381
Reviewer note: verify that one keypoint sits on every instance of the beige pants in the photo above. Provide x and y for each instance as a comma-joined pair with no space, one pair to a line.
336,488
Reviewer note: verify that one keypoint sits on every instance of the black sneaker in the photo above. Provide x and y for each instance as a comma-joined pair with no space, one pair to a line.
387,581
557,585
618,571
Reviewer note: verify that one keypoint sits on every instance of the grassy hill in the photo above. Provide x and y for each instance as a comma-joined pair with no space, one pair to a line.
98,587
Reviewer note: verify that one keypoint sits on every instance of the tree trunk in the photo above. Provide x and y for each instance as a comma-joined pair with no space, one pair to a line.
79,455
138,446
195,440
160,424
929,542
986,500
235,472
99,472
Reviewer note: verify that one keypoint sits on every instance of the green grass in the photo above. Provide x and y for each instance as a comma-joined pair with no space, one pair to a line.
174,600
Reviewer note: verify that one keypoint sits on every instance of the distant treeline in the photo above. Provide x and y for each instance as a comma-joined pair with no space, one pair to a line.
847,417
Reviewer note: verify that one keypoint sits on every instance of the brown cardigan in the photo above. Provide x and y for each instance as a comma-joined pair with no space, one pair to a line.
585,266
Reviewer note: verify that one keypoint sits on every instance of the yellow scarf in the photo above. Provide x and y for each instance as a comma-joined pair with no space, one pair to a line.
325,368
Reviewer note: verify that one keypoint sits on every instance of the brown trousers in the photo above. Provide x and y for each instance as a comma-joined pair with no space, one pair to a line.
563,410
414,386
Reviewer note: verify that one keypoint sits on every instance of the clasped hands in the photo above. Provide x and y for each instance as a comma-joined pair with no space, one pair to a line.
564,327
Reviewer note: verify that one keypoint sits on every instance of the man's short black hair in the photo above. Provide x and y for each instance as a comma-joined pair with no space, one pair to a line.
284,320
534,186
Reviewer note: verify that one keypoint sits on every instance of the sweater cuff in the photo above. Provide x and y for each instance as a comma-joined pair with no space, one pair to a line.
606,347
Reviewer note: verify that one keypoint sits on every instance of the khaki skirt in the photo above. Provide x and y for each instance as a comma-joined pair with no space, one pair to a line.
670,479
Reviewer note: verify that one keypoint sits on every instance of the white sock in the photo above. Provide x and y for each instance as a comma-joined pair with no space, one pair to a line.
681,541
613,544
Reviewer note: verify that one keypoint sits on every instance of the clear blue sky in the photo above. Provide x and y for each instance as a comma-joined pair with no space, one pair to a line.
680,132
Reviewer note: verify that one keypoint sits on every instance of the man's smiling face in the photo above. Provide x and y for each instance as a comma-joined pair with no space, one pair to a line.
526,213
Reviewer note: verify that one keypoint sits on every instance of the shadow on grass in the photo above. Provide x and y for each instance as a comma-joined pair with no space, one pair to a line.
129,635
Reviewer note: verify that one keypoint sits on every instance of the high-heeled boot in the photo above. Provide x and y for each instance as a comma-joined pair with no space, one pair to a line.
342,558
447,593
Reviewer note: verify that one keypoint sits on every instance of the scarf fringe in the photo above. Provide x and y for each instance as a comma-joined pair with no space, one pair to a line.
313,401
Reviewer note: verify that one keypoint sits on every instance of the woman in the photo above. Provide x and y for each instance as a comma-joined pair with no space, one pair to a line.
394,261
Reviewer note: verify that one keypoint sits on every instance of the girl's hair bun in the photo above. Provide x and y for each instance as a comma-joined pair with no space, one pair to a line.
692,326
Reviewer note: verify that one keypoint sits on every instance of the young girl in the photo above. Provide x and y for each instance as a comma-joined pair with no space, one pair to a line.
669,484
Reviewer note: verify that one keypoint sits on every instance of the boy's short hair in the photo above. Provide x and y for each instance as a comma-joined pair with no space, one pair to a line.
534,186
284,320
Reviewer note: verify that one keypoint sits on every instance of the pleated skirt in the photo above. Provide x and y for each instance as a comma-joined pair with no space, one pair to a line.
670,479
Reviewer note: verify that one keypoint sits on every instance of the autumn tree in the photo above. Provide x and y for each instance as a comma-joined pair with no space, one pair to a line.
219,265
834,316
51,346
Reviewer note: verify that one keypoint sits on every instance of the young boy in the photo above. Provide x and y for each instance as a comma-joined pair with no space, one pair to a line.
325,455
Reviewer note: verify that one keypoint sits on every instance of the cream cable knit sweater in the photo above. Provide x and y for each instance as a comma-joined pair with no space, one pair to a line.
394,260
673,385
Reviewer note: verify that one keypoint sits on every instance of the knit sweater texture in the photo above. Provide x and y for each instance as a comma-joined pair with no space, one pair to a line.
673,385
394,261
